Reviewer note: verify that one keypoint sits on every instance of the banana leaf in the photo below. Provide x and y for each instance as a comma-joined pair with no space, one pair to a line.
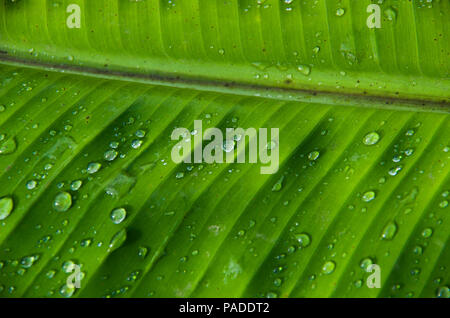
354,95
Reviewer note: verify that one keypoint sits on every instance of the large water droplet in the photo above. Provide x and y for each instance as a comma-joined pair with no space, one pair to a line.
117,240
62,202
328,267
6,207
67,291
303,239
7,146
313,155
389,231
118,215
93,167
371,138
368,196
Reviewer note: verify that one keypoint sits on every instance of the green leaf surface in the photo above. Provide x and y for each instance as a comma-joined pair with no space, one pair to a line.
87,176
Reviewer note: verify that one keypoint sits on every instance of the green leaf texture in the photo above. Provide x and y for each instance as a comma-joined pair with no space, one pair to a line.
86,117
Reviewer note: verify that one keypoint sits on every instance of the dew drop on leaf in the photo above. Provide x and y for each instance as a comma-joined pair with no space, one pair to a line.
110,155
389,231
368,196
328,267
7,146
303,239
427,232
371,138
93,167
118,215
117,240
6,207
62,202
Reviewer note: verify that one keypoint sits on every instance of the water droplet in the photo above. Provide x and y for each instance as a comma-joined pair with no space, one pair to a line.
365,263
76,185
117,240
390,14
371,138
93,167
136,143
7,146
228,145
68,266
427,233
340,12
31,184
328,267
443,292
62,202
142,251
313,155
368,196
278,185
110,155
303,239
304,69
140,133
118,215
28,261
6,207
443,204
389,231
67,291
179,175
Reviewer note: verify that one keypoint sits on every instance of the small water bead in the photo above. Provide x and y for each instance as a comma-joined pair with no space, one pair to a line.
31,184
304,69
7,146
117,240
76,185
368,196
394,171
427,233
28,261
136,143
418,250
228,145
62,202
110,155
68,266
6,207
328,267
410,132
340,12
390,14
114,144
93,167
365,263
443,292
142,251
371,138
85,242
443,204
140,133
118,215
389,231
179,175
313,155
278,185
277,282
67,291
50,274
303,239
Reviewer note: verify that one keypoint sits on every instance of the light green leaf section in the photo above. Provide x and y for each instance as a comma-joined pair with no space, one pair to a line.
86,174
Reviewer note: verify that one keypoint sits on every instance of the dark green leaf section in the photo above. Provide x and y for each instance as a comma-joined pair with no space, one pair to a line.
207,230
323,46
